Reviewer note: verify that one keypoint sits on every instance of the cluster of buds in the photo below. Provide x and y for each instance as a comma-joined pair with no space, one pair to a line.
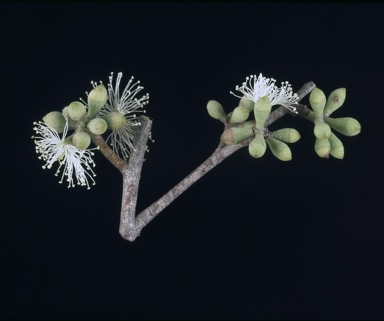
104,109
260,95
326,141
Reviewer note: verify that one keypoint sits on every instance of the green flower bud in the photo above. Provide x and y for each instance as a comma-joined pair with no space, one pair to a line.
71,123
279,149
321,130
97,126
262,110
337,148
347,126
239,115
322,147
56,120
335,100
236,135
257,147
288,135
114,120
77,111
317,100
81,140
247,124
96,100
247,103
215,110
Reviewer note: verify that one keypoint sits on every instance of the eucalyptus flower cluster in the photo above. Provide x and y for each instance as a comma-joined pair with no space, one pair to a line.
79,121
260,94
326,141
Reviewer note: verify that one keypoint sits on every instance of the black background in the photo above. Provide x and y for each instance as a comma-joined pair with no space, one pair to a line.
254,238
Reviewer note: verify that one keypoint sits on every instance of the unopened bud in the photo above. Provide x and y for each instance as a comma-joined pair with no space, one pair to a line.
81,140
215,110
97,126
56,120
247,103
337,148
114,120
321,130
239,115
262,110
279,149
257,147
317,100
347,126
77,111
96,100
288,135
236,135
322,147
335,100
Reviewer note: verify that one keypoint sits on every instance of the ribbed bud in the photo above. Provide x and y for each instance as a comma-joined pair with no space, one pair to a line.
114,120
97,126
262,110
77,111
317,100
347,126
56,120
322,147
257,147
279,149
288,135
81,140
239,115
96,100
236,135
247,103
337,148
71,123
321,130
215,110
335,100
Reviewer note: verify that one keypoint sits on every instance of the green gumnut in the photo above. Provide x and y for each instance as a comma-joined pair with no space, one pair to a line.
347,126
97,126
288,135
56,120
71,123
81,140
279,149
240,114
247,103
257,147
322,147
77,111
317,100
321,130
236,135
215,110
262,110
335,100
337,148
96,100
114,120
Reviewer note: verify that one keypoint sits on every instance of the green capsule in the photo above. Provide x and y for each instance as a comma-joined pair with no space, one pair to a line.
96,100
337,148
262,110
114,120
335,100
81,140
240,114
322,147
56,120
77,111
347,126
317,100
236,135
97,126
257,147
288,135
279,149
216,111
247,103
321,130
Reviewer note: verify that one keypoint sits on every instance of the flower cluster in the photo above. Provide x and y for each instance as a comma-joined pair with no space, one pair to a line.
256,87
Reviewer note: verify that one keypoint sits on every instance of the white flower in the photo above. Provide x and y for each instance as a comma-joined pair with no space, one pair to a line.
256,87
126,104
53,148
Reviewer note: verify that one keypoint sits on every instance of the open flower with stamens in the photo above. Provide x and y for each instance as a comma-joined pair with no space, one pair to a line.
55,149
127,105
256,87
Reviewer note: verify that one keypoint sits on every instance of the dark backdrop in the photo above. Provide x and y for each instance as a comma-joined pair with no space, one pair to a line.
255,238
